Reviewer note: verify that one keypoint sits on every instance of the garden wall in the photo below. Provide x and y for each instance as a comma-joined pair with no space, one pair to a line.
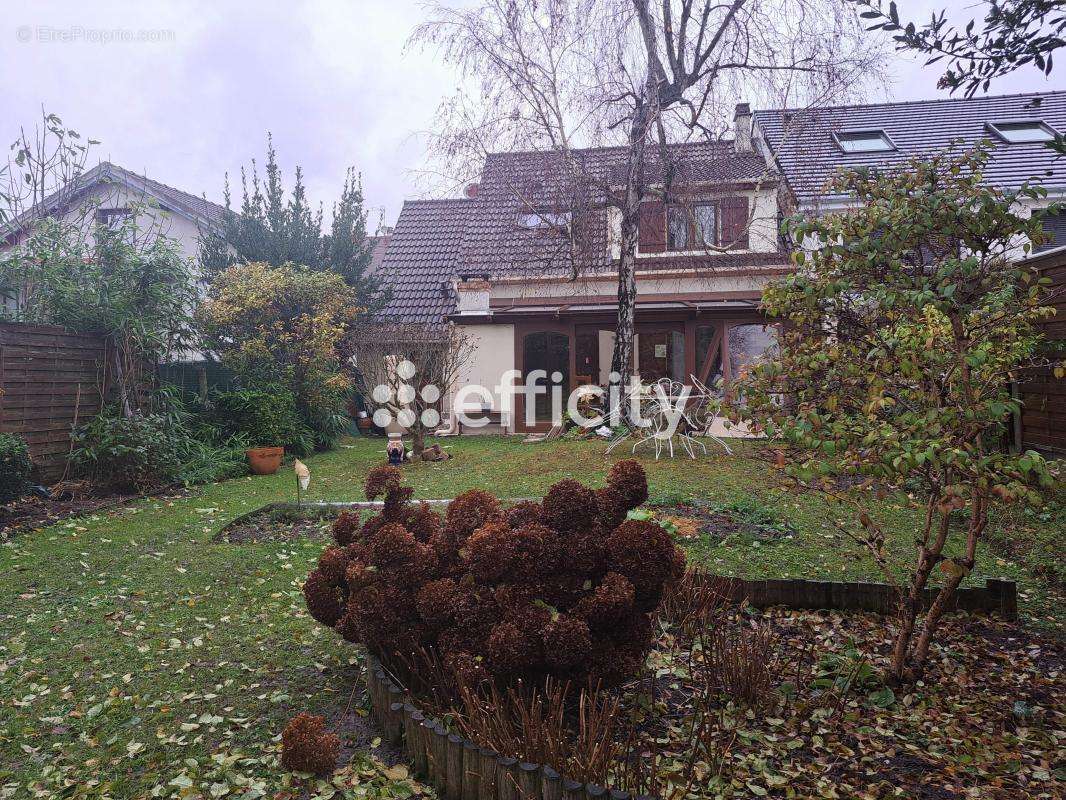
51,379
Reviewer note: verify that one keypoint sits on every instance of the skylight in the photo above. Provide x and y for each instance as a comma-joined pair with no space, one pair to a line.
1022,130
875,141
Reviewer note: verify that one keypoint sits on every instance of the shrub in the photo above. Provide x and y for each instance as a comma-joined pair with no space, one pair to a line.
264,417
290,325
306,745
146,452
134,454
558,588
15,467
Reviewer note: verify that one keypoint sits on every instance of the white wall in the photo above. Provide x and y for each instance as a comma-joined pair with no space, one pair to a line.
492,357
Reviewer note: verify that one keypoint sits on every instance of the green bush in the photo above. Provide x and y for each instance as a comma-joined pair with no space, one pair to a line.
147,452
15,467
263,417
135,454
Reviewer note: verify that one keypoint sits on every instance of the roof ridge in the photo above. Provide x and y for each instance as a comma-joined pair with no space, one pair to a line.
438,200
896,103
606,148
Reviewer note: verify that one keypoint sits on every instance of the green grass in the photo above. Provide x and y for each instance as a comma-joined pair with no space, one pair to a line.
138,657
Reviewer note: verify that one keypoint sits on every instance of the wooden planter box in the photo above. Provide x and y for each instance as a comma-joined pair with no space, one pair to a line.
459,769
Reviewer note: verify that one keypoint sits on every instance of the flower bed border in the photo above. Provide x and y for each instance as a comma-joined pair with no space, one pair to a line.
997,596
458,768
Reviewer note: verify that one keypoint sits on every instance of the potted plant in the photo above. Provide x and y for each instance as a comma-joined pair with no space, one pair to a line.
267,420
364,423
265,460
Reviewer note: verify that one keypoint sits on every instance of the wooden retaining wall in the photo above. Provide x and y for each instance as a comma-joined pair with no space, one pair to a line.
51,380
458,768
996,596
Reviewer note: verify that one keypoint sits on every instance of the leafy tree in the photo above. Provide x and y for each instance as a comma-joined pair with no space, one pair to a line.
1013,34
129,284
287,325
903,329
271,228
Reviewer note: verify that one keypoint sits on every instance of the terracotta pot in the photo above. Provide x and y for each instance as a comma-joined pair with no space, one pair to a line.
365,424
265,460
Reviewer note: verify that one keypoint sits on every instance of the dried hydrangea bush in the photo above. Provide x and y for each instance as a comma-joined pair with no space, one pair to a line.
561,588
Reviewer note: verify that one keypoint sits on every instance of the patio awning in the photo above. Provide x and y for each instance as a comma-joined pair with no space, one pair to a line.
610,307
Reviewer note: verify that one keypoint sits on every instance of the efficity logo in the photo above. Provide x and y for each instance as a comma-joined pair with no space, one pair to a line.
394,402
587,405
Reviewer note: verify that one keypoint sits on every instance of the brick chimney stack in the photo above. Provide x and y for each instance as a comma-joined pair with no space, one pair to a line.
742,129
471,190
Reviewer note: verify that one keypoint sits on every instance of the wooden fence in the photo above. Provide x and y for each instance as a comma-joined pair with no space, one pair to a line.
1043,418
51,380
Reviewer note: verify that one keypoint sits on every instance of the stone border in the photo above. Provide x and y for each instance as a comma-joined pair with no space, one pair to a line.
323,509
456,767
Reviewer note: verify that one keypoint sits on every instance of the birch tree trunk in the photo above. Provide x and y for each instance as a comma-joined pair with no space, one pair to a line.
625,327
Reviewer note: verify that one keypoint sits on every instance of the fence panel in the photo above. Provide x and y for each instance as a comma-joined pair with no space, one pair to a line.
51,379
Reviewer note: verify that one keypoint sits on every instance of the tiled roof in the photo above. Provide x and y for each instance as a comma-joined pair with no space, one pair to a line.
378,246
512,183
421,260
808,157
436,240
198,209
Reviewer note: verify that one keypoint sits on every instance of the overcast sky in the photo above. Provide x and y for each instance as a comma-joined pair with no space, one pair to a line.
194,94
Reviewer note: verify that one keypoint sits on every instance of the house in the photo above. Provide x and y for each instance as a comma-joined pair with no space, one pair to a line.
527,262
108,193
501,263
807,147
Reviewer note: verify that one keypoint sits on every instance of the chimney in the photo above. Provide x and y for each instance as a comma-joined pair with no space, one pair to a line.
742,129
473,292
471,190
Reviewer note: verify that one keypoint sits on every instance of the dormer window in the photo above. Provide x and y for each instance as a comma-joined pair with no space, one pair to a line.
544,220
1020,131
872,141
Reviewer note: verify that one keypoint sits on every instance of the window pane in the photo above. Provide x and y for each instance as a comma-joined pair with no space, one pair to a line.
677,228
705,225
1025,131
677,356
705,338
863,142
747,343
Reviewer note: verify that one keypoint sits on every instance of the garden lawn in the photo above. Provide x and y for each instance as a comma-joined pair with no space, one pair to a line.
139,657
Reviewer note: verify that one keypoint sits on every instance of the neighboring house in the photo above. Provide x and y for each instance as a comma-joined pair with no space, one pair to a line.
500,262
808,146
106,194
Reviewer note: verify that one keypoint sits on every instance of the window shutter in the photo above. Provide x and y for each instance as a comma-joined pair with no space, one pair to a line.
734,212
652,226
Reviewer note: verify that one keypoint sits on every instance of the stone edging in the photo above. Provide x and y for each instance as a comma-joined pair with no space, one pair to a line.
459,769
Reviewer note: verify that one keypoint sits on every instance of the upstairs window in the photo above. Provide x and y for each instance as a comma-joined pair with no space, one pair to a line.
1022,131
691,227
544,220
722,222
112,218
873,141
